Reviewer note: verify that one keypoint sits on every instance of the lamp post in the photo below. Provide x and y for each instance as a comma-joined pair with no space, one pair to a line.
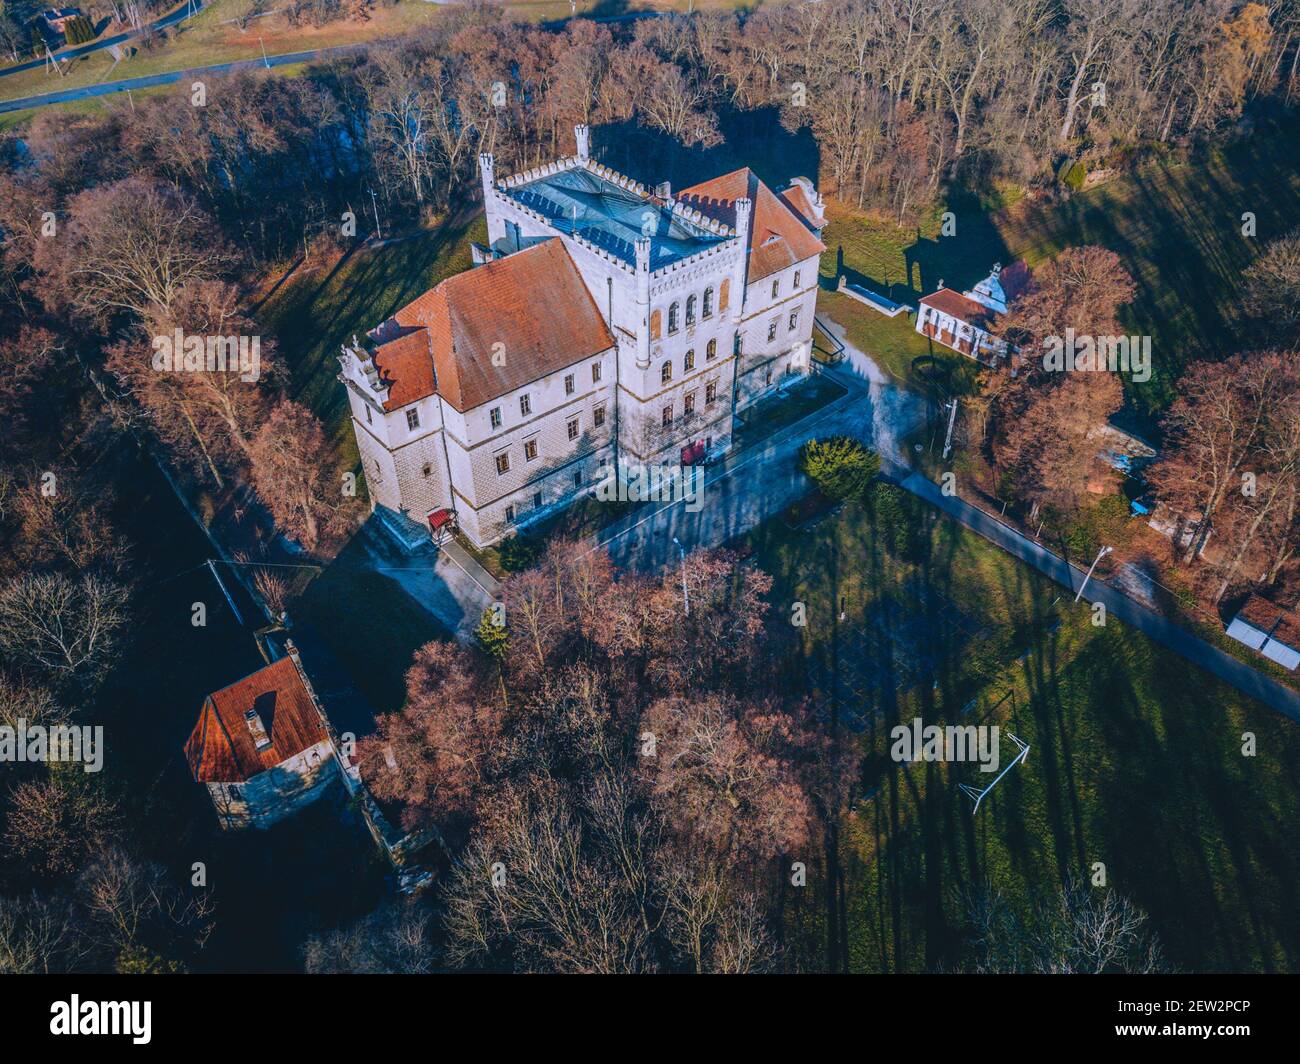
1100,554
686,595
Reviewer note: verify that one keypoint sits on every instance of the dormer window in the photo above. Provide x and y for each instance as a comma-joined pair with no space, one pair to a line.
261,740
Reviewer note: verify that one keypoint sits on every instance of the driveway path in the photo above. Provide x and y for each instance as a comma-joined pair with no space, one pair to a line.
759,482
1161,629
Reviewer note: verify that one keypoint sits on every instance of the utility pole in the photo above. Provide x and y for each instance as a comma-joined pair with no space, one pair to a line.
374,202
264,59
952,418
1100,554
686,595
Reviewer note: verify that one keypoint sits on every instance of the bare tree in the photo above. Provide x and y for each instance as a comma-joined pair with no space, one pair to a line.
65,627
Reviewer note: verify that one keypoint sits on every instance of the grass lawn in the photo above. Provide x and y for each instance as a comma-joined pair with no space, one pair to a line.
1136,757
313,313
1176,226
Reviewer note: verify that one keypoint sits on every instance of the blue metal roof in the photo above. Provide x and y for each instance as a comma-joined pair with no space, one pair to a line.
613,218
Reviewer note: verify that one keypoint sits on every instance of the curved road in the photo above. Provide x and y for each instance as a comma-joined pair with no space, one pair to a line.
179,15
109,87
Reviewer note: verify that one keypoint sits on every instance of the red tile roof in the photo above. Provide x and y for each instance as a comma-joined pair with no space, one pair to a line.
961,307
1280,623
221,748
406,365
533,303
778,237
797,200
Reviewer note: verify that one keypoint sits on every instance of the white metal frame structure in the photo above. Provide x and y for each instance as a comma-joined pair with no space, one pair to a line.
979,795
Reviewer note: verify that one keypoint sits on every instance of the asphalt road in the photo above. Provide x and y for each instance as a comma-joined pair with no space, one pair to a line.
109,87
179,15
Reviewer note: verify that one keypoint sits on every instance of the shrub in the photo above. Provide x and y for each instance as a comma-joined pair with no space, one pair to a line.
840,466
1072,175
897,519
518,553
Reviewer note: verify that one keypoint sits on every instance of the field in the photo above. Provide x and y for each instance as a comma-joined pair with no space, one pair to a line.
1136,758
1176,226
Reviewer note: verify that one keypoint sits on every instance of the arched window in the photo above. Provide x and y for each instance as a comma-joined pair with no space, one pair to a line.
712,350
708,302
690,361
673,314
666,373
690,311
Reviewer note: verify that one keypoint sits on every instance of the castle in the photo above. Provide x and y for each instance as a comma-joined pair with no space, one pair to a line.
606,326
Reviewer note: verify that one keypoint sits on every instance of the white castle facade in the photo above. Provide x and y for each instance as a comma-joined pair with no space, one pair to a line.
606,326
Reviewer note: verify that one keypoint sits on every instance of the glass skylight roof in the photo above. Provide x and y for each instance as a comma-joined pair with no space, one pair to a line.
612,218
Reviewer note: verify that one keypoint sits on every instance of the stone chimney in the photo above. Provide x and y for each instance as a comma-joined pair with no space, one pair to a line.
582,134
643,302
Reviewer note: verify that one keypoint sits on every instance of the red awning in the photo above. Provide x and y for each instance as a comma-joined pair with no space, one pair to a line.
440,518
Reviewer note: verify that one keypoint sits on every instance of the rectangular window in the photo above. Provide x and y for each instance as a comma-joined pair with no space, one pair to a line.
710,392
776,287
413,419
794,320
690,361
428,469
370,417
796,280
771,328
573,429
569,386
667,418
595,373
525,405
494,415
510,514
598,416
577,478
503,463
688,404
530,450
768,375
537,500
